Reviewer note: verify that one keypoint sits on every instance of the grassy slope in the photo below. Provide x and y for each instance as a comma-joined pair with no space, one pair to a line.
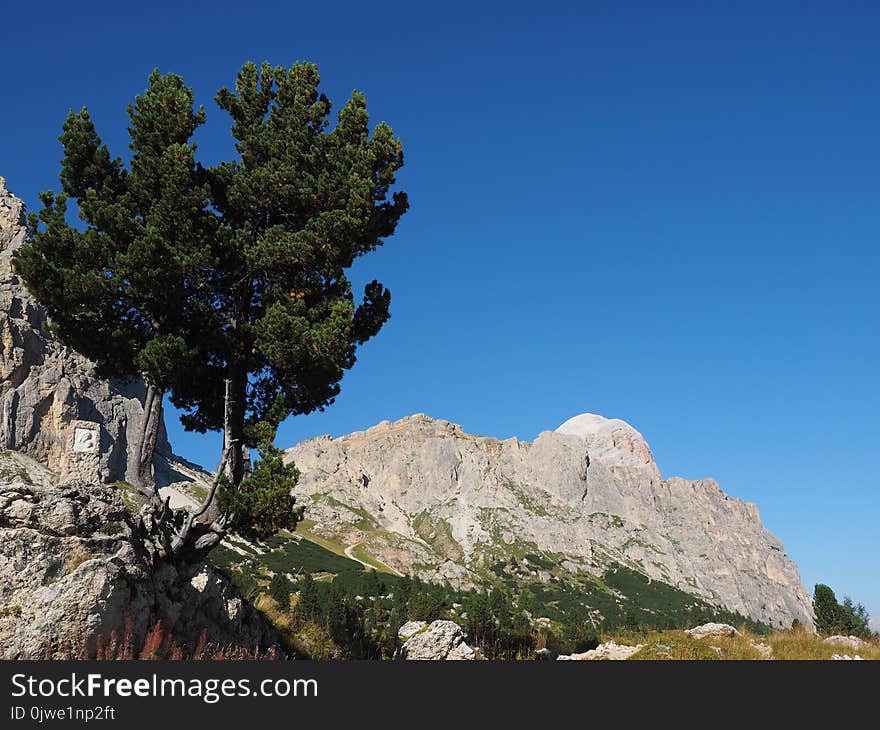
790,644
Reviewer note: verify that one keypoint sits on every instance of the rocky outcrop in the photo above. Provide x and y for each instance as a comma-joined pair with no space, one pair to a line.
423,496
437,641
52,404
70,571
712,631
848,642
609,651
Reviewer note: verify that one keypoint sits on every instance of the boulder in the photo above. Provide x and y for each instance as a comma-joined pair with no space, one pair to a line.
610,650
850,642
712,631
439,640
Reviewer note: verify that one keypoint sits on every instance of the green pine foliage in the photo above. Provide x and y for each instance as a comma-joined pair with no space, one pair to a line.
123,288
494,624
826,608
224,286
264,503
301,202
855,619
424,606
580,634
279,589
194,275
308,607
839,618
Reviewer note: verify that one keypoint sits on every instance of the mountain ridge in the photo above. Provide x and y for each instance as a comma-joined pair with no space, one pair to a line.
423,496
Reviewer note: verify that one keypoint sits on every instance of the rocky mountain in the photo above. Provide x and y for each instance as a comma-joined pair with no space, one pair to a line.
53,406
422,496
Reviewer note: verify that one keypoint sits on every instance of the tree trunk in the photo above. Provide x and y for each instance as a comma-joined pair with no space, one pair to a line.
233,426
146,483
187,535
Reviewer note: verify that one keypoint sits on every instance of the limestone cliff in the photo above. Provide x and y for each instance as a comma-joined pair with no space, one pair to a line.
423,496
52,405
72,571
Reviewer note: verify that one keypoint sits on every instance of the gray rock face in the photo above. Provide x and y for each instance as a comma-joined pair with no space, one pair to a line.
48,392
423,496
69,572
438,641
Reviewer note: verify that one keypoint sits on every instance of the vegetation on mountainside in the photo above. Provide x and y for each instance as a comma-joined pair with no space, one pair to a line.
330,606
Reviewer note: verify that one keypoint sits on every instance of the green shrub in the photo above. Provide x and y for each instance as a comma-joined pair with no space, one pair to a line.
280,589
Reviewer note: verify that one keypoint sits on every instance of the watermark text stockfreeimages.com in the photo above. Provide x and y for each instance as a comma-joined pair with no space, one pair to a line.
208,690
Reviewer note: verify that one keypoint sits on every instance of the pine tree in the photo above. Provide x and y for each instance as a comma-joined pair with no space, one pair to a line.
631,620
424,605
225,287
307,606
264,503
855,620
279,590
826,608
300,204
526,601
480,621
336,613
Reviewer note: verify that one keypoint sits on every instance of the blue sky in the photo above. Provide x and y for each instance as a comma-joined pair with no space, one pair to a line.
666,215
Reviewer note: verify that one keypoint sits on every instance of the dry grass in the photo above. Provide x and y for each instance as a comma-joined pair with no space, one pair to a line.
311,641
77,558
281,620
790,644
798,644
674,646
678,646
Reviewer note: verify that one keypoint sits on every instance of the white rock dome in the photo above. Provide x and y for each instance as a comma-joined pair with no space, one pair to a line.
610,433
